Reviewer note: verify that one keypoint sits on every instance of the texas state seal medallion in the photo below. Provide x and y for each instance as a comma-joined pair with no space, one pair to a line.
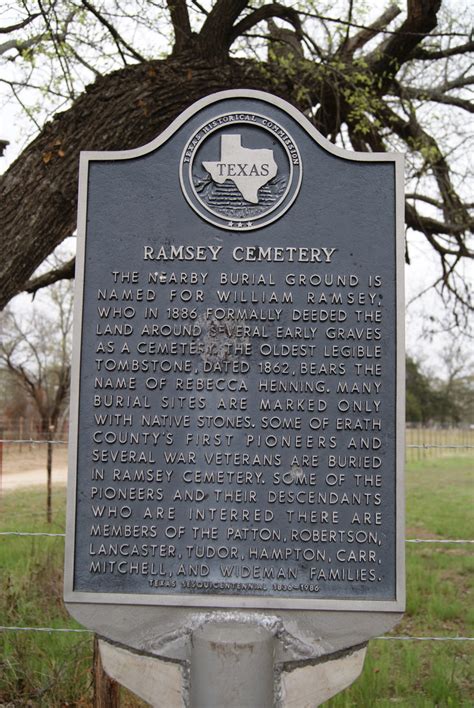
240,171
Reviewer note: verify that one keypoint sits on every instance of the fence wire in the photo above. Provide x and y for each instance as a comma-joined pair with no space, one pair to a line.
403,638
412,446
407,540
30,441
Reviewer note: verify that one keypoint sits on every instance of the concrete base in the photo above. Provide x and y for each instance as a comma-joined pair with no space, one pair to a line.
231,665
309,686
158,682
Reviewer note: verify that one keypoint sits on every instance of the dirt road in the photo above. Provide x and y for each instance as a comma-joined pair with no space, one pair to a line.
26,467
32,478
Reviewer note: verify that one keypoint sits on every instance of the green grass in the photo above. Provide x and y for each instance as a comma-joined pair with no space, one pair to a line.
439,504
53,670
47,669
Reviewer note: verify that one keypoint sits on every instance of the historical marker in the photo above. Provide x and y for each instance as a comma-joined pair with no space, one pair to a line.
237,414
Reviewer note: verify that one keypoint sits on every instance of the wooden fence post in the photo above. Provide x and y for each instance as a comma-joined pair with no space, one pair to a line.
21,433
1,458
106,690
49,467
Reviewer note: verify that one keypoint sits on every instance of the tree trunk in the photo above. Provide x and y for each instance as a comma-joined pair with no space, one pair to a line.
122,110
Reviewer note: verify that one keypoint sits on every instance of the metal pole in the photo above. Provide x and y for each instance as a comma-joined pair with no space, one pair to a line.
231,666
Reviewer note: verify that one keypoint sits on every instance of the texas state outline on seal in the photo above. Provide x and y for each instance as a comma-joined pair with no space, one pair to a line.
248,168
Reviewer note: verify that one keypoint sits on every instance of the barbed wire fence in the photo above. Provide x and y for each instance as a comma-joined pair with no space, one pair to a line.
422,443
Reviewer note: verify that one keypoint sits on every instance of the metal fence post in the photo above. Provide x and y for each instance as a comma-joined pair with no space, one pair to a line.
231,666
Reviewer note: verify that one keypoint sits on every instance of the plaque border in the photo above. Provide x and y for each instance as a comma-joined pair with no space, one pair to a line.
239,601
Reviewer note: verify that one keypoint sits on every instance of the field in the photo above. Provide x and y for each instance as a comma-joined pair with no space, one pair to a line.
54,669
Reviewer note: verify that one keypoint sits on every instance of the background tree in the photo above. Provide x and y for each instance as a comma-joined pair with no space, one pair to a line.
420,400
36,351
13,400
456,388
448,400
397,81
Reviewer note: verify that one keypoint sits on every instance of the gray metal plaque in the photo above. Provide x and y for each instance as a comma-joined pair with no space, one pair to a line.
237,410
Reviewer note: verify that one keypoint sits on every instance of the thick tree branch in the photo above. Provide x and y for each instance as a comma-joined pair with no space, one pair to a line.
181,25
432,227
437,95
215,36
266,12
430,55
388,57
65,272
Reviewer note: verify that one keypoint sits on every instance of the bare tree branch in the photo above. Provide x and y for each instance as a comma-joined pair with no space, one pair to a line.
412,133
424,198
358,25
432,227
430,55
21,46
388,57
457,83
37,354
20,25
352,44
437,95
64,272
200,7
266,12
118,39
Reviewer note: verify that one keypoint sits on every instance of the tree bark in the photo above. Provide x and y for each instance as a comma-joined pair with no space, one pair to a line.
122,110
